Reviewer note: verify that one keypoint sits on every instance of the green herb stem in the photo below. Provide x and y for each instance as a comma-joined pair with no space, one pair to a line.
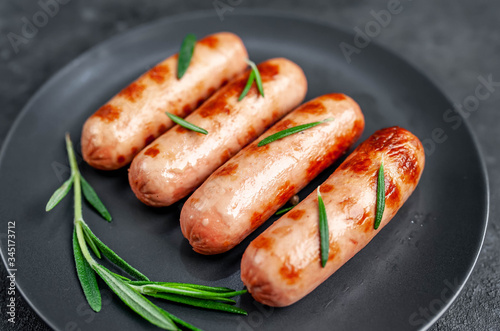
254,76
185,124
78,198
248,85
91,243
287,132
130,292
86,276
71,155
134,300
78,203
81,241
152,289
284,210
186,285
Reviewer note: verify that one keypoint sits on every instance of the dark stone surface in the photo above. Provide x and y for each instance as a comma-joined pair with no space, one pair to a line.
453,42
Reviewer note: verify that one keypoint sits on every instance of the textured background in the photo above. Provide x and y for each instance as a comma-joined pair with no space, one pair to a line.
453,42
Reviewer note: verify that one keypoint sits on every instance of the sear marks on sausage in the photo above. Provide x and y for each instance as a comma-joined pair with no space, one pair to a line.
187,158
264,178
350,200
136,115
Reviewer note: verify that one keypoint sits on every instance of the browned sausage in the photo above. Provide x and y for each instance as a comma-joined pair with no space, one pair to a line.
253,185
136,116
282,265
180,160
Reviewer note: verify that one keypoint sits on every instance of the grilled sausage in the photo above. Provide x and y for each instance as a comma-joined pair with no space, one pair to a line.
133,118
282,265
254,184
180,160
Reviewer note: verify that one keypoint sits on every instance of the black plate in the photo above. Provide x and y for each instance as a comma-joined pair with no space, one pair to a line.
404,279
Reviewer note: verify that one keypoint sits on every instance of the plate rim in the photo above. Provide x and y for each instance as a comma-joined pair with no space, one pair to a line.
205,13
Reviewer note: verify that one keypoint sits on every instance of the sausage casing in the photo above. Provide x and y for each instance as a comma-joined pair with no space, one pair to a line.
180,160
282,265
133,118
254,184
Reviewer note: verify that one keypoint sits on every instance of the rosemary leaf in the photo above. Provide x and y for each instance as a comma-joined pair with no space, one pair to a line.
323,230
380,196
135,301
113,257
217,294
250,81
197,302
90,242
152,289
91,196
290,131
258,79
87,277
121,277
204,287
185,54
284,210
60,193
184,285
186,124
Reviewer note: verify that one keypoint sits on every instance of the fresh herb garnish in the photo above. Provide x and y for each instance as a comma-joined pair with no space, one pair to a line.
293,201
290,131
250,80
132,293
254,76
380,196
324,233
258,79
284,210
185,54
87,277
93,199
136,301
59,194
186,124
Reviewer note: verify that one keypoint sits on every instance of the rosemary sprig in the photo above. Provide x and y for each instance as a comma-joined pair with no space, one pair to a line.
254,76
215,298
186,124
380,196
248,85
287,132
324,233
132,293
134,300
293,201
284,210
60,193
184,289
87,277
112,256
185,54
